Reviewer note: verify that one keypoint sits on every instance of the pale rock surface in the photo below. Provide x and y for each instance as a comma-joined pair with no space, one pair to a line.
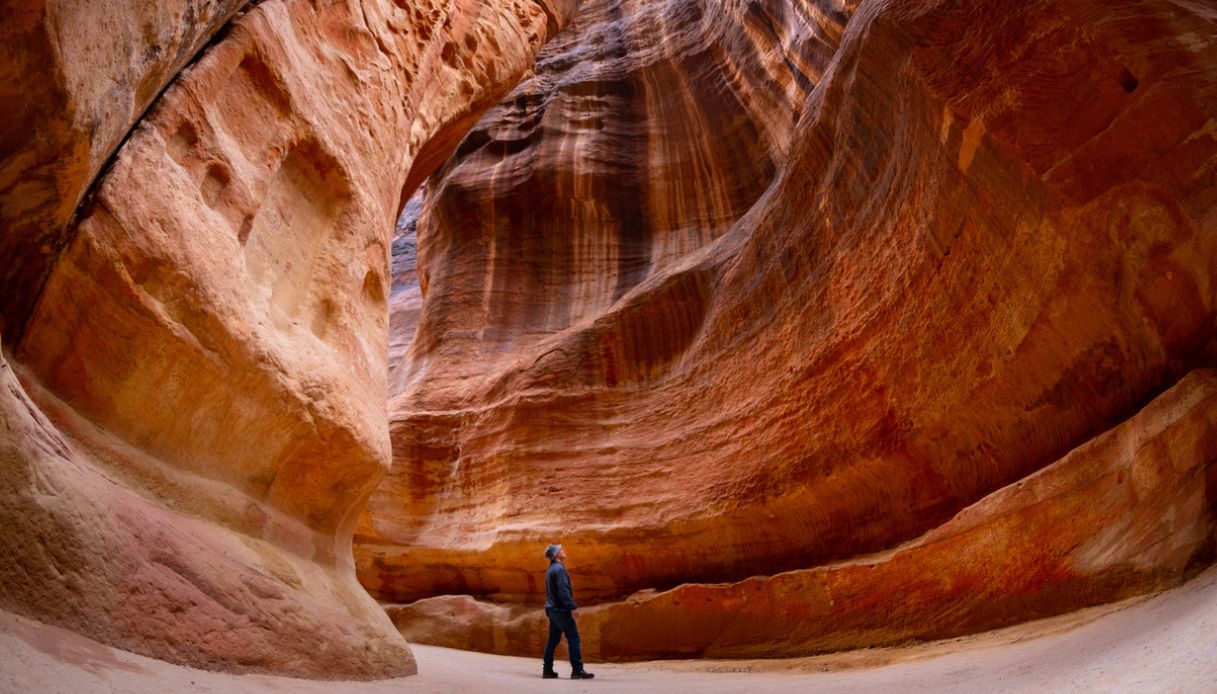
405,294
80,548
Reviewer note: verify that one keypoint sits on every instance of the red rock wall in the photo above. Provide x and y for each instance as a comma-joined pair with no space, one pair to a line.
648,130
988,238
205,368
1128,512
801,291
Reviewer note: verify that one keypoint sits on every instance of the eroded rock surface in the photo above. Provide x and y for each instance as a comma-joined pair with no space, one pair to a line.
1128,512
648,130
74,78
81,549
207,361
987,236
806,325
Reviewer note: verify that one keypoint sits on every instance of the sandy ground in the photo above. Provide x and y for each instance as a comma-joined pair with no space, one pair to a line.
1167,643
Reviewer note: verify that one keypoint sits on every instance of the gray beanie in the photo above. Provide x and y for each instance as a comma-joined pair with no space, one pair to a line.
552,551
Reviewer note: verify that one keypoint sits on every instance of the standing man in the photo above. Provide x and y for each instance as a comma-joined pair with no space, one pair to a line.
559,604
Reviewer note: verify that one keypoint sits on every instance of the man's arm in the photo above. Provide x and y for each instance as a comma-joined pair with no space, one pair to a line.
566,596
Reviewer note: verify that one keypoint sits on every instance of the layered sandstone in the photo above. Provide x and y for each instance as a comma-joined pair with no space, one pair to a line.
204,373
405,294
805,324
984,235
1128,512
163,573
646,132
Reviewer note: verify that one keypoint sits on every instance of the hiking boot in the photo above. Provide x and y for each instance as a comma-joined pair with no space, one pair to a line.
582,675
549,675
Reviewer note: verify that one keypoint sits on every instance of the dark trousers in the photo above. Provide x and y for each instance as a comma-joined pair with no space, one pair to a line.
562,622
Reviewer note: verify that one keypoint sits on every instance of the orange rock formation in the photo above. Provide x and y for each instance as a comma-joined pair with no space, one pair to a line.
806,324
1128,512
777,306
200,409
74,77
572,212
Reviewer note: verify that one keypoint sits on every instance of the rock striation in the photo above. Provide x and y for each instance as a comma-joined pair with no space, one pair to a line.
105,540
805,324
780,322
1128,512
197,411
646,132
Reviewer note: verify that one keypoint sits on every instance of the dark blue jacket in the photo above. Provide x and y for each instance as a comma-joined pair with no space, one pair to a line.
558,593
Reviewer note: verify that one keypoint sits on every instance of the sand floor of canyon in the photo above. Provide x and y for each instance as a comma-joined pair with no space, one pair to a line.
1165,643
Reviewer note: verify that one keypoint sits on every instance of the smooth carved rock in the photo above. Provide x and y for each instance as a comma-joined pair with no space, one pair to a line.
86,543
646,132
724,290
212,339
1128,512
74,78
988,238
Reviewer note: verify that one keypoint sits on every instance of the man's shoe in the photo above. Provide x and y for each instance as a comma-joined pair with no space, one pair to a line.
549,675
584,675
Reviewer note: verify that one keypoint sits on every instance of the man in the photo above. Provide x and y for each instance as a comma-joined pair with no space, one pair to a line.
559,604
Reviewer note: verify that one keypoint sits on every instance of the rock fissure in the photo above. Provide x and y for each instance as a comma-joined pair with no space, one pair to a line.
57,208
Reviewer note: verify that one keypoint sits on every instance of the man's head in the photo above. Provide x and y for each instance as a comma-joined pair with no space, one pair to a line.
555,553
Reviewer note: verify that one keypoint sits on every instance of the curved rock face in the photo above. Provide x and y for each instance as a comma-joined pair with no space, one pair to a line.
647,131
1126,513
202,381
814,320
61,122
805,324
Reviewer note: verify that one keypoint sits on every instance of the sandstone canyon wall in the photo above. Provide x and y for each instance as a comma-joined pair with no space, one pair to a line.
806,324
1128,512
75,77
648,129
195,373
836,325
